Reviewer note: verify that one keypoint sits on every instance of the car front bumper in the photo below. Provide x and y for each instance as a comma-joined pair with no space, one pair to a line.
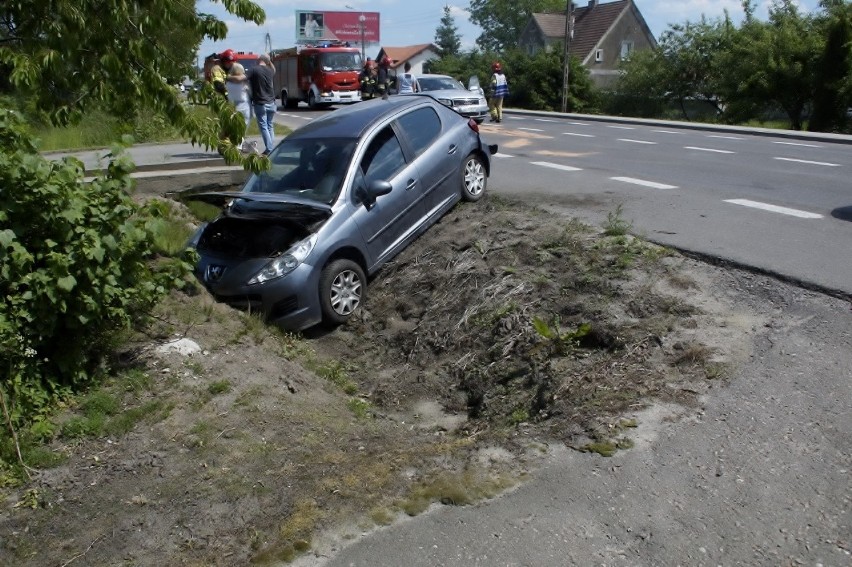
291,301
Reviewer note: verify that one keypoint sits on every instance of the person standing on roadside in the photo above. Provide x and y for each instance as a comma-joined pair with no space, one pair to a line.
498,91
218,76
238,91
260,80
383,77
368,80
407,81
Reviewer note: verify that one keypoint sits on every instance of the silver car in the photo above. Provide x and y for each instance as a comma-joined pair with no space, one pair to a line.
468,102
344,195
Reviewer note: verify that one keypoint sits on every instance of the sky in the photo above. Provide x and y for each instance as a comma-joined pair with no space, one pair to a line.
404,22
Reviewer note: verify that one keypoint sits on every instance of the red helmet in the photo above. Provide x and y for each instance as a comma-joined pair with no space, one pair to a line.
227,55
385,62
496,67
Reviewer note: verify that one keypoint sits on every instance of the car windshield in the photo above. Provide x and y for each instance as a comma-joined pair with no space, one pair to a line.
439,83
341,61
309,168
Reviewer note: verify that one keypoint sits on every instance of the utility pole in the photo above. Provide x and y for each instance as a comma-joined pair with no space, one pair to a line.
569,35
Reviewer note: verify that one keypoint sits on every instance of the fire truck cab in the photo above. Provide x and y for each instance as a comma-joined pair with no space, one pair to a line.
319,75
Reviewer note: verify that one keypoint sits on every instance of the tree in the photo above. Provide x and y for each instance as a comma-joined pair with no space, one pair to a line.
832,93
772,63
502,21
447,36
78,259
70,55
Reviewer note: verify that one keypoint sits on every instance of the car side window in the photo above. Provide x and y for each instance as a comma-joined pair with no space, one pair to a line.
383,157
421,127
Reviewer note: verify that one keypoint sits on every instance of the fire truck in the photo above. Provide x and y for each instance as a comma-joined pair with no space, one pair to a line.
247,60
318,74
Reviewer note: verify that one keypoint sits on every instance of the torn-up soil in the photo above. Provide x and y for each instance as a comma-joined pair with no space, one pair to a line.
501,330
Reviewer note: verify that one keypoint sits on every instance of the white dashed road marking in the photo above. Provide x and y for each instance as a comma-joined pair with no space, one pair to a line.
556,166
808,161
545,120
667,132
652,184
532,129
622,127
774,208
725,137
580,135
636,141
707,150
578,123
501,155
798,144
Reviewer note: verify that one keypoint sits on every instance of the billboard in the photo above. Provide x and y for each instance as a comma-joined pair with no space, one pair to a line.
313,26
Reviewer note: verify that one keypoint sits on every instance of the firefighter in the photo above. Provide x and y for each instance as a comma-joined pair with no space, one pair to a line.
497,92
383,78
368,80
218,76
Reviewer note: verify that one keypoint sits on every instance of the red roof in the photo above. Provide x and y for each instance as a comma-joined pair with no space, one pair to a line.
399,55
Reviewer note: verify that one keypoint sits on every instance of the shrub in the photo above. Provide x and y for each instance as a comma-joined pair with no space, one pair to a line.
75,266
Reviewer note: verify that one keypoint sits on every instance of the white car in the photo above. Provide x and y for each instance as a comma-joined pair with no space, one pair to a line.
469,102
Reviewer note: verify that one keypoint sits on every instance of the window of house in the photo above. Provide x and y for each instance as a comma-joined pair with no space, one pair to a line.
626,49
598,55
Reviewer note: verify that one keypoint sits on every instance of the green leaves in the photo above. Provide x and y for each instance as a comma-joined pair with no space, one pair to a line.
74,268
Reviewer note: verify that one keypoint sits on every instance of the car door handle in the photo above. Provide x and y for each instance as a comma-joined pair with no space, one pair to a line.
452,149
410,185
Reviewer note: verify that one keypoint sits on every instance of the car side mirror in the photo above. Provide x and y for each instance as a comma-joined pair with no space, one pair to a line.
369,194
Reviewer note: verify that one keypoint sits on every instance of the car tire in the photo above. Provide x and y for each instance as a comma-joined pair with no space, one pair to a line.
342,289
473,178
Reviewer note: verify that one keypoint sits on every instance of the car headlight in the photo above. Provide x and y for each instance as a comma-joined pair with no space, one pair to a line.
446,101
285,263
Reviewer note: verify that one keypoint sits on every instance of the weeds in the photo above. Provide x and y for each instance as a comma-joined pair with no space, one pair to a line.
615,224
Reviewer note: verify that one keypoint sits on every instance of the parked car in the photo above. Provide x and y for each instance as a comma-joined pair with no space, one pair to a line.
345,194
468,102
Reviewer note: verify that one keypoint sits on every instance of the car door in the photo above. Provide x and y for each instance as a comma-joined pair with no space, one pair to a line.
389,223
438,157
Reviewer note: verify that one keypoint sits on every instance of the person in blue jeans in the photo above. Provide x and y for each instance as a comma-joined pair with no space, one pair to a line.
260,79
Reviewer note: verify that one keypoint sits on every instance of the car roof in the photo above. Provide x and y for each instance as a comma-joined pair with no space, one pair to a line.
353,120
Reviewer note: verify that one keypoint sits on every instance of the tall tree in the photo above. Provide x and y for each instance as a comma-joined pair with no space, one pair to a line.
833,78
502,21
69,55
447,36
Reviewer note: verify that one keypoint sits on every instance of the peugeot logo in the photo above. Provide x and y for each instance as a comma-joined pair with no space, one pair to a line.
213,273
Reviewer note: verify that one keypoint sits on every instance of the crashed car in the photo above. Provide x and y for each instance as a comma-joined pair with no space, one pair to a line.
344,195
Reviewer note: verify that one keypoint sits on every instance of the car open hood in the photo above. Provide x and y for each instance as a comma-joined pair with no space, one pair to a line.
265,205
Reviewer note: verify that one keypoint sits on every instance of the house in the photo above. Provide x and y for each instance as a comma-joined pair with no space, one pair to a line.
417,55
604,34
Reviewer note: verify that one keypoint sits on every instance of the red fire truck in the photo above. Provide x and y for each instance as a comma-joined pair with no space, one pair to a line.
318,74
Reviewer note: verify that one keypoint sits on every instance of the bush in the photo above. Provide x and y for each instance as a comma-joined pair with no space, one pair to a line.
75,266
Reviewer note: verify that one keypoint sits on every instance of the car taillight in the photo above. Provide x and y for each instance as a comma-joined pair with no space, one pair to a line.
473,125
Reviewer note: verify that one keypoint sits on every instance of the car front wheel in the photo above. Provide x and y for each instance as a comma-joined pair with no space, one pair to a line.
343,288
473,178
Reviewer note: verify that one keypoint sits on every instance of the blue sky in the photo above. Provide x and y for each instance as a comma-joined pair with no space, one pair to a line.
404,22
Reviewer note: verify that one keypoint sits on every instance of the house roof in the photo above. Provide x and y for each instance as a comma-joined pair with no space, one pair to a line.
590,25
399,55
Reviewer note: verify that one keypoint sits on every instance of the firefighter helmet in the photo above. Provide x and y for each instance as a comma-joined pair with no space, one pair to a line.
227,55
496,67
385,62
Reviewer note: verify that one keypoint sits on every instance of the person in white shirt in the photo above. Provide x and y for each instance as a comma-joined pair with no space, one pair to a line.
238,92
407,81
312,27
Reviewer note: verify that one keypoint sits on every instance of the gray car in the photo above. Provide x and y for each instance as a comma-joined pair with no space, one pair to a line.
468,102
344,195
